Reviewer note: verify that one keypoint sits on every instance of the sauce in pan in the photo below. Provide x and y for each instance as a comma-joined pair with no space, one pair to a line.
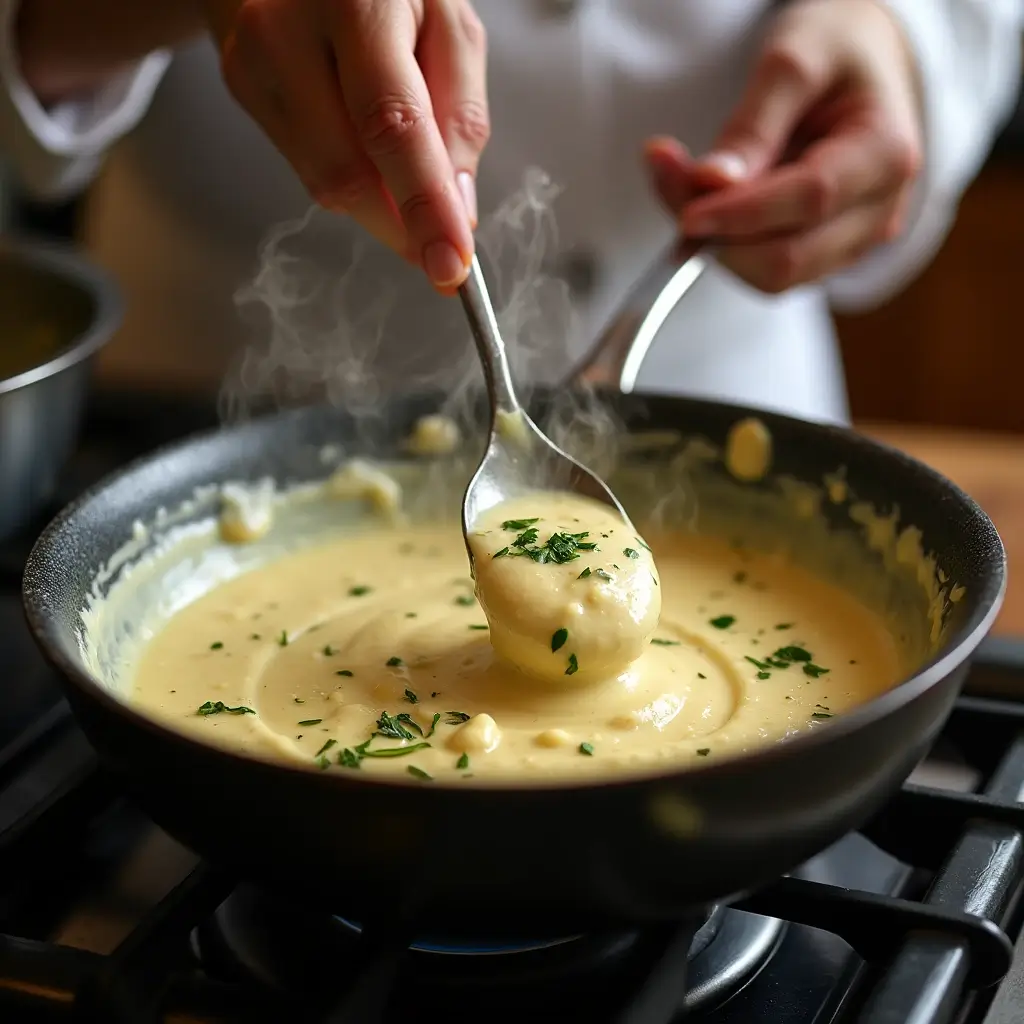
372,653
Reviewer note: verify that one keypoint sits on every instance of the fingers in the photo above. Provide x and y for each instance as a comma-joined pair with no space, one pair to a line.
777,264
299,105
391,112
671,169
841,171
453,55
791,73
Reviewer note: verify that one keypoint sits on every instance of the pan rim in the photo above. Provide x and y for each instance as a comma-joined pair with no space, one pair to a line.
958,649
67,264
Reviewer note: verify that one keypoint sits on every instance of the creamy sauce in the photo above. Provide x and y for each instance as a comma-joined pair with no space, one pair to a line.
370,653
569,588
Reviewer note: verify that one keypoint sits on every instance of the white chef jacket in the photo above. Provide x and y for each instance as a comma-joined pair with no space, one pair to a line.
184,200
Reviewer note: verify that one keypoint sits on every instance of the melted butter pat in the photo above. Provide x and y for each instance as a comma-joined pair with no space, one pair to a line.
570,591
370,654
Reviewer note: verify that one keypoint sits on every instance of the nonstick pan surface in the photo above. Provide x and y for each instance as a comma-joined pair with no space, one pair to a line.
511,860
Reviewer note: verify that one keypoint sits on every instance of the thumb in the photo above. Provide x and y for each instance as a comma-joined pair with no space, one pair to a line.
791,74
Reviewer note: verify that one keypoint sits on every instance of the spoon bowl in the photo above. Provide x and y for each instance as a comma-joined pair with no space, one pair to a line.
520,458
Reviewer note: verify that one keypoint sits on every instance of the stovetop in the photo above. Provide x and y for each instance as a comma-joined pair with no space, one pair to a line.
103,917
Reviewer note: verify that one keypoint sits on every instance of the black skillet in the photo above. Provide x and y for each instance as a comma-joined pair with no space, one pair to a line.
510,861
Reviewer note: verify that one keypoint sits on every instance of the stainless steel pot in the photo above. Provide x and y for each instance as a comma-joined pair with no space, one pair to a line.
71,309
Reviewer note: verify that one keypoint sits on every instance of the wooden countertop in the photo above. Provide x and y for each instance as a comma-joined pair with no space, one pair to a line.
990,468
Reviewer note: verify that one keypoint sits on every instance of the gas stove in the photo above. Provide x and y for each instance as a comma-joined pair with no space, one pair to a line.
103,917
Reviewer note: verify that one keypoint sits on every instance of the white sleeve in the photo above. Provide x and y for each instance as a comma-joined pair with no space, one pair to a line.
968,54
56,152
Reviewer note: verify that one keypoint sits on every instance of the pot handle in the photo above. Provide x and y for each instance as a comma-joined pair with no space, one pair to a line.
616,357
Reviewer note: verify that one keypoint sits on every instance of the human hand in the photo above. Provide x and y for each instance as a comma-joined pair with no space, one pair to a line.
815,167
379,105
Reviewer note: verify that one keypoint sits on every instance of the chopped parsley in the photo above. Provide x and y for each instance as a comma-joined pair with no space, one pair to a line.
433,724
456,717
723,621
559,547
784,625
391,727
218,707
631,552
419,773
299,700
764,675
463,762
358,591
704,751
311,721
558,639
411,697
323,763
583,575
216,645
574,666
394,661
587,748
477,625
329,651
762,665
498,554
658,642
344,672
348,759
283,638
812,670
821,714
327,746
465,600
700,675
363,751
519,524
792,654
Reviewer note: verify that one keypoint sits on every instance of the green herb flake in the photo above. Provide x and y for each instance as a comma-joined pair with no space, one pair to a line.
723,621
820,714
784,625
433,724
329,651
700,675
345,672
456,717
391,728
558,639
283,638
587,748
519,524
631,552
583,575
348,758
311,721
327,746
704,751
363,750
814,671
499,553
411,697
658,642
764,675
255,636
216,645
299,700
465,600
323,763
394,662
463,762
478,626
792,654
574,666
219,707
763,666
419,773
361,591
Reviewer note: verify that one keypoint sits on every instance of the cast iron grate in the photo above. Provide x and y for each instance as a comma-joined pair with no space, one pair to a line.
925,960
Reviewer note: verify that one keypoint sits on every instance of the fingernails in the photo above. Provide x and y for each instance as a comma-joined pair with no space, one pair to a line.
443,264
732,165
467,186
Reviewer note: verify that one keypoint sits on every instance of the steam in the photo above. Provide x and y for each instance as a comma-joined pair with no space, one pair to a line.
338,319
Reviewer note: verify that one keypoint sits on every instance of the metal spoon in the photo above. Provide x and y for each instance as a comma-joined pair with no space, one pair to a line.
520,458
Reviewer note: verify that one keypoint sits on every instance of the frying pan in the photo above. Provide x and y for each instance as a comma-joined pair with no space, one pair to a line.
501,860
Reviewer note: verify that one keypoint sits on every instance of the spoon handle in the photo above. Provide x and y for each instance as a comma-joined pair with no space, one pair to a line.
616,356
484,325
